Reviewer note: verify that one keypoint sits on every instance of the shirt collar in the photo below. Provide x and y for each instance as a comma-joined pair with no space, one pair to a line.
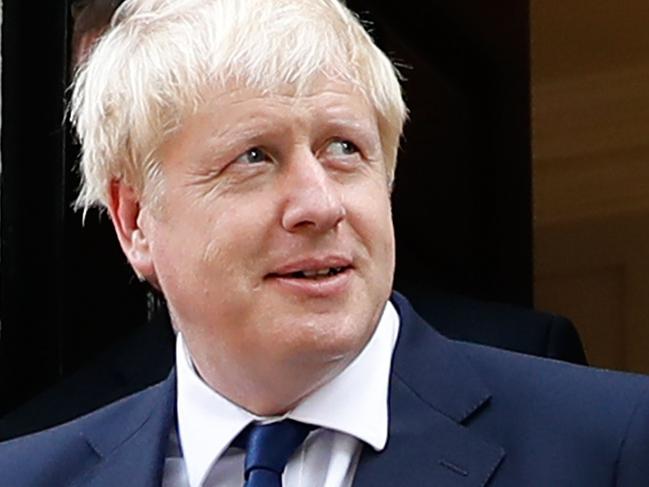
354,402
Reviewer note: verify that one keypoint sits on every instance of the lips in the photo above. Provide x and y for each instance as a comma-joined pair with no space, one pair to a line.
316,277
316,274
313,267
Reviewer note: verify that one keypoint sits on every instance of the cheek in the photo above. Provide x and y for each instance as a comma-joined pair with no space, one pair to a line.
390,242
201,233
370,211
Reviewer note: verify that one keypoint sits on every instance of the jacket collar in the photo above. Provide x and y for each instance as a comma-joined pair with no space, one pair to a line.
433,366
434,392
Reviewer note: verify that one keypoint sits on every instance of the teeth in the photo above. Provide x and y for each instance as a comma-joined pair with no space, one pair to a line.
315,274
321,272
329,271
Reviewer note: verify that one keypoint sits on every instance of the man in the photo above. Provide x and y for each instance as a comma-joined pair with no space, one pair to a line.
245,151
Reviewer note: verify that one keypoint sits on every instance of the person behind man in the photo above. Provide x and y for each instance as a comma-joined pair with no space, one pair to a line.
245,150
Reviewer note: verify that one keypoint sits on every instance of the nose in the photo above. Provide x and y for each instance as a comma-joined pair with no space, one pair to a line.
313,201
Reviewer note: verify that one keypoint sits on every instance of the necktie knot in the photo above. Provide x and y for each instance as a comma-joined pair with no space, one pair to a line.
268,449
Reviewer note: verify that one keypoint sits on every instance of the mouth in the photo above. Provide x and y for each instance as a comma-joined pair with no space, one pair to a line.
315,277
322,273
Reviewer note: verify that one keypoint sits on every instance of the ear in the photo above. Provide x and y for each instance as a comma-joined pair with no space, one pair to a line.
129,220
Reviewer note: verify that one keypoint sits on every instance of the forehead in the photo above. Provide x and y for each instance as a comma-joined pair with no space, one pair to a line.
318,101
231,118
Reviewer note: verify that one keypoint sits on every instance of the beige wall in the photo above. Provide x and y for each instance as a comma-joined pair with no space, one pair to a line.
590,85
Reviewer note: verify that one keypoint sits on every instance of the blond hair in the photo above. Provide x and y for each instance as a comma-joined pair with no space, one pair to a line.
157,62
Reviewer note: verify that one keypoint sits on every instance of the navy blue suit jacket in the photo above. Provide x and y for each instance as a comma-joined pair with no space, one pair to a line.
461,415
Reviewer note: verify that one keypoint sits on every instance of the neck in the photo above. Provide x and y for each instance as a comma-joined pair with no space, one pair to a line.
273,391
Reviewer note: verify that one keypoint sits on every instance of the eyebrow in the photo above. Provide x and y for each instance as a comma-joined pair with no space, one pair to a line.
356,124
360,127
221,142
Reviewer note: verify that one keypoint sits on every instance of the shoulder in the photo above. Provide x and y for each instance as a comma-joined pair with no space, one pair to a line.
505,370
59,455
554,402
554,420
512,379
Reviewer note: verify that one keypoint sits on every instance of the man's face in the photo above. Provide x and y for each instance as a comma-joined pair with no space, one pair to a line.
274,242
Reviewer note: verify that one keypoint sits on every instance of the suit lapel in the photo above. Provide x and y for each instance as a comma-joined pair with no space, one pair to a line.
132,440
434,392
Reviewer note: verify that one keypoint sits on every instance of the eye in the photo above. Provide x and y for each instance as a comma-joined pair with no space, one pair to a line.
342,148
253,156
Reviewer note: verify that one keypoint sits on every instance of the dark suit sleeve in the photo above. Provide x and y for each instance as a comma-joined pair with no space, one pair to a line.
633,461
564,342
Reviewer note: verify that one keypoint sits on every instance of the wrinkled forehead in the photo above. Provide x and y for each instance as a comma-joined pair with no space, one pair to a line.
325,102
241,112
321,95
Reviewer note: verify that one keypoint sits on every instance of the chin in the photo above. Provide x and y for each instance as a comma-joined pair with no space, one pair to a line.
337,338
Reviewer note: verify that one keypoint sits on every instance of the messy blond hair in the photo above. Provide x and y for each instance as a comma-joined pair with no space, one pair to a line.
160,58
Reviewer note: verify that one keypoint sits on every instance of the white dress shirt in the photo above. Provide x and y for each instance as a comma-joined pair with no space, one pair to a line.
351,409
